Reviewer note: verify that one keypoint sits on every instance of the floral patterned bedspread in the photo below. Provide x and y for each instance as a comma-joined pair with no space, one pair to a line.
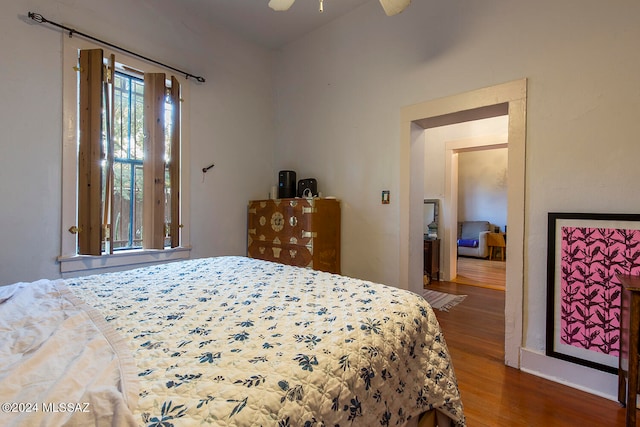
234,341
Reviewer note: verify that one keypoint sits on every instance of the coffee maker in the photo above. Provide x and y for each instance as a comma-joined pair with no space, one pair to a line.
286,184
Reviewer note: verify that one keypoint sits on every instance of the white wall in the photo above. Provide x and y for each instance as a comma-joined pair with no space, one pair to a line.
482,186
340,91
232,122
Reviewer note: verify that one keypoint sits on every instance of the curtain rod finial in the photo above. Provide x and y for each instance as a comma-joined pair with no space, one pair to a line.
36,17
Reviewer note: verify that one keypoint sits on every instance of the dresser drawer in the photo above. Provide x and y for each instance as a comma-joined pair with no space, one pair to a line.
286,221
296,255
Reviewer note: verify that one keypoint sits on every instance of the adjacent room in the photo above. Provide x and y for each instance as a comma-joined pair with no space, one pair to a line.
377,106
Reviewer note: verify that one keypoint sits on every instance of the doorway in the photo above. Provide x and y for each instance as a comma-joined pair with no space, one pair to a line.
482,196
474,163
482,103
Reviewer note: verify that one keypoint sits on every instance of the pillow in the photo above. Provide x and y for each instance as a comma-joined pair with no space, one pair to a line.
468,243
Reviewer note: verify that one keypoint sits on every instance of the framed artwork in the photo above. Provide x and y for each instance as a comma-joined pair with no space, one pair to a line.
585,252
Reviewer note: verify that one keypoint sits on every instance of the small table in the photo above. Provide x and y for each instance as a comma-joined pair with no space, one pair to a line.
496,241
629,330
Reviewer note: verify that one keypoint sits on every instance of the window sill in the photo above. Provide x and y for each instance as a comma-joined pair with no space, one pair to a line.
136,257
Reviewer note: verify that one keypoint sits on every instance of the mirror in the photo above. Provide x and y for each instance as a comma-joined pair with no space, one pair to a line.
431,214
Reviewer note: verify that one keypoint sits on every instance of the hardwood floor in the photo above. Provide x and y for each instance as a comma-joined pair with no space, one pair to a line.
496,395
481,272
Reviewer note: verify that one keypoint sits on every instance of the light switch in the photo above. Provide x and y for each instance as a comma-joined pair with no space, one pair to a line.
385,197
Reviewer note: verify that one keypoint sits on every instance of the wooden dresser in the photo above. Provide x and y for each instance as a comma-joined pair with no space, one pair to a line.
300,232
432,258
629,358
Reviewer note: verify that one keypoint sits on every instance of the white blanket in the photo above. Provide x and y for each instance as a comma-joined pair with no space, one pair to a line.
60,362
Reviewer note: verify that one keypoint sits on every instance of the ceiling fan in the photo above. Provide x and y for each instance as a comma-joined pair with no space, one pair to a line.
391,7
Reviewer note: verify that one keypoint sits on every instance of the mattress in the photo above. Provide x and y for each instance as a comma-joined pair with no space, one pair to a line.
230,341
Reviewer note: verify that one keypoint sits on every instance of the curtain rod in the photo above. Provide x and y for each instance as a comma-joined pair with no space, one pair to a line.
42,20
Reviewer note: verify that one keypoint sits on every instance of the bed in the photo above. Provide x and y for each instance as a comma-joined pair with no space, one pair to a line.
225,341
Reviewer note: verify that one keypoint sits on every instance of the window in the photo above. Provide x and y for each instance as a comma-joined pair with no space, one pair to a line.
128,158
123,202
128,164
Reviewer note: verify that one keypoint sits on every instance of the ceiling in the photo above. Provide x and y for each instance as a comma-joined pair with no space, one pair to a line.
253,20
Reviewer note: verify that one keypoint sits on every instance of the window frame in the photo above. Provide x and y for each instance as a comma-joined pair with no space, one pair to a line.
70,261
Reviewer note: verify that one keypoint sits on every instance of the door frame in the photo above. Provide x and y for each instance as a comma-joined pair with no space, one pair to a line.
455,109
